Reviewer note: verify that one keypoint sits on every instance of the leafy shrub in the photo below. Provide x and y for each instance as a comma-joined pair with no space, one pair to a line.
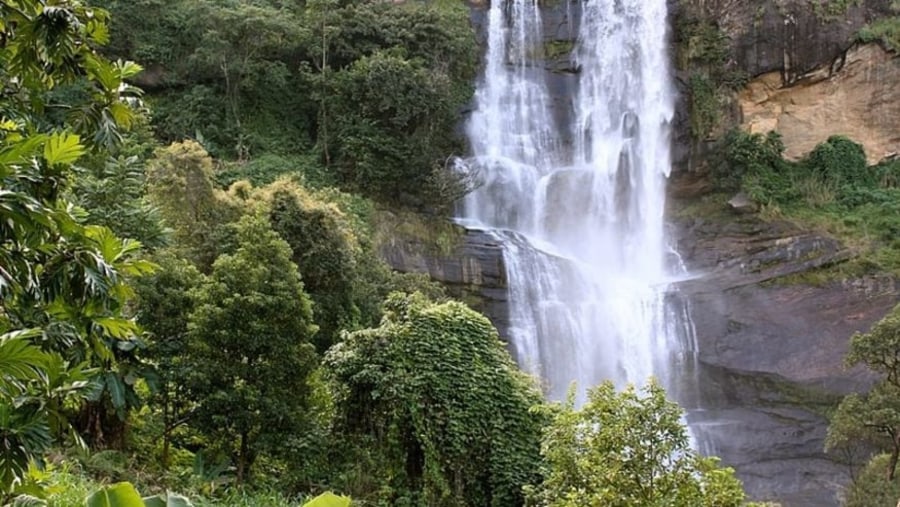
840,161
754,162
628,449
870,489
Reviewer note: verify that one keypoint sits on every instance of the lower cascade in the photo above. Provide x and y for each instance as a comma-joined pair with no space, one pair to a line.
578,203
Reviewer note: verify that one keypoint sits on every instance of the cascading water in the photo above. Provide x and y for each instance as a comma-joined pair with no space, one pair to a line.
579,207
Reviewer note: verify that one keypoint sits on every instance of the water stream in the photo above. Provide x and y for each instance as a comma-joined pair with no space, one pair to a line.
579,206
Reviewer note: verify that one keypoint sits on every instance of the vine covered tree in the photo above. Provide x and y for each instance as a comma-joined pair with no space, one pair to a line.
439,401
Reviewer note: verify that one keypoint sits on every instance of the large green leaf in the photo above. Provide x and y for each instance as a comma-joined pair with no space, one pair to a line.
167,499
116,390
328,499
122,494
63,148
20,360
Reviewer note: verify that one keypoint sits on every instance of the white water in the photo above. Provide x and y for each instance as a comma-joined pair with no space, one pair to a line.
582,221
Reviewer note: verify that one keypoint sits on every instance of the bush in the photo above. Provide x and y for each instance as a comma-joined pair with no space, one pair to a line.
753,162
628,449
885,31
840,161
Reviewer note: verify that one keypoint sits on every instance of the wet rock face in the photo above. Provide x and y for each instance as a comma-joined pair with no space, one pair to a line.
472,269
771,350
791,37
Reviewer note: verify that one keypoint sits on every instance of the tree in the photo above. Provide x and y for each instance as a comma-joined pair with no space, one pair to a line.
250,348
628,450
324,249
165,301
112,194
62,283
388,143
874,418
243,42
441,406
870,489
180,183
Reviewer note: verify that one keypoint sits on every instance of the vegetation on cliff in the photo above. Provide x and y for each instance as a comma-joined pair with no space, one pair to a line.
832,188
885,31
363,95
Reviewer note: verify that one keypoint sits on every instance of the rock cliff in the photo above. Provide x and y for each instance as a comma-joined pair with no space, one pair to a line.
857,96
770,347
806,76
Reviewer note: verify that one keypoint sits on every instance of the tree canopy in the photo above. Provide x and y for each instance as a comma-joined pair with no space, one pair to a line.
62,282
628,449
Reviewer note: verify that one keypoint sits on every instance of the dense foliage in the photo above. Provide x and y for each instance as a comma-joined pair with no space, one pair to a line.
444,408
383,83
873,418
870,489
250,335
62,282
249,189
885,31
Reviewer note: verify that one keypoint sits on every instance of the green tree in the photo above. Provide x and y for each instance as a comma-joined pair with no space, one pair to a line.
248,47
112,194
165,301
874,418
62,283
628,450
390,143
440,409
250,348
324,248
869,489
180,184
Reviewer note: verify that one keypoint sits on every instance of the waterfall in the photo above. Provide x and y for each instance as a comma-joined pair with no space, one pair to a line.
579,206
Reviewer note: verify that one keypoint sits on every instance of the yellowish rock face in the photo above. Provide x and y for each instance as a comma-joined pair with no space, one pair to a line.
858,98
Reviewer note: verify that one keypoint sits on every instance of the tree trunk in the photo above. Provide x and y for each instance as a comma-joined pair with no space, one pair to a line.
242,463
895,453
167,428
324,105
